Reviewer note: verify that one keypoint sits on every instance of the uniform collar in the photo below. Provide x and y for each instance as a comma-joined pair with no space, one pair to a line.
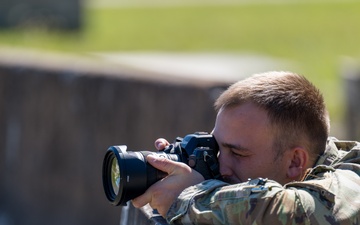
330,154
334,151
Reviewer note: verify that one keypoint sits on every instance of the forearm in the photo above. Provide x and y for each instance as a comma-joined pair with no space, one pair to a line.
215,202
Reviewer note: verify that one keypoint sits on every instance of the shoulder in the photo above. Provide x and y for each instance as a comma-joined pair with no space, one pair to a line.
329,194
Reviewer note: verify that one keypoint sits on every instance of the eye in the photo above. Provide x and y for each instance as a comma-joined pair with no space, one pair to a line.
240,153
237,153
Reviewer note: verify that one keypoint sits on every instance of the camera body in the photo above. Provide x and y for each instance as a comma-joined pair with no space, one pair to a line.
199,151
127,174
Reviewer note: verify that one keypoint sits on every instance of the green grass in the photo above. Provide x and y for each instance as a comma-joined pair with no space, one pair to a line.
315,35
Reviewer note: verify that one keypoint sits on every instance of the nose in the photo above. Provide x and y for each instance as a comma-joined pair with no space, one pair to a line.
225,165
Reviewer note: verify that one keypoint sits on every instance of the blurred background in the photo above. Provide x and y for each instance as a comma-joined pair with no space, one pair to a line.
79,76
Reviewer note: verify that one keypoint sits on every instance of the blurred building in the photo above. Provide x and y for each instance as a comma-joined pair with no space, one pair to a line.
65,14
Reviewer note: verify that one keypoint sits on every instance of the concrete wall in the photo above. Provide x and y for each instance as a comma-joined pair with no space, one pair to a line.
58,116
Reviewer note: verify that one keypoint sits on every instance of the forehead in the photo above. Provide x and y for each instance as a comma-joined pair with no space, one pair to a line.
246,123
248,114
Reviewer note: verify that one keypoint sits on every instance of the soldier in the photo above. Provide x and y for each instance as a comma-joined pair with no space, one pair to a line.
277,162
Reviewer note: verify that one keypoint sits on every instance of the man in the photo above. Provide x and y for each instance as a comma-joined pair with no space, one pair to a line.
277,162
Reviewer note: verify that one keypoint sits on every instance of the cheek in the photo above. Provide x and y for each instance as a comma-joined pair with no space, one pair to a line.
250,168
242,169
261,168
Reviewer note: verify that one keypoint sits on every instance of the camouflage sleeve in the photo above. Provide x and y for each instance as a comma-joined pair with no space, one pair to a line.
332,198
254,202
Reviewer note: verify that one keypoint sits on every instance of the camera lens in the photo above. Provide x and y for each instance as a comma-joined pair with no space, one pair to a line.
115,175
127,175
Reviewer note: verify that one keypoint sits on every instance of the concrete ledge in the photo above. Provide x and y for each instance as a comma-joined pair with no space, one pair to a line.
97,64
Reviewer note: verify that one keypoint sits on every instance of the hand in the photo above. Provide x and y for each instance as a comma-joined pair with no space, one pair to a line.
163,193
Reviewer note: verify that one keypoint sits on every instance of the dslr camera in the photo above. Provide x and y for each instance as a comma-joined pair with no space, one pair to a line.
127,174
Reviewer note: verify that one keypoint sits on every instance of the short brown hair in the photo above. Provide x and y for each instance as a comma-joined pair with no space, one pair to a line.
295,108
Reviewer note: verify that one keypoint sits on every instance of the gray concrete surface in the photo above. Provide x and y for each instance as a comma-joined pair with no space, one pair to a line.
218,67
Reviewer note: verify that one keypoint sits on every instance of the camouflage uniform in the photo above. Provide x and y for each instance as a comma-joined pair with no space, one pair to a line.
328,194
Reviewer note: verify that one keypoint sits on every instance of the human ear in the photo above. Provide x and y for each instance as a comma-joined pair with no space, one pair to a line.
298,160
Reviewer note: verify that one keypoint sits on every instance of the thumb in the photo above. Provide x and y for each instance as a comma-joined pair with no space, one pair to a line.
161,144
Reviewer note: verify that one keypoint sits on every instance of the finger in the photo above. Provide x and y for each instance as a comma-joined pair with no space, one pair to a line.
160,163
161,143
142,200
167,165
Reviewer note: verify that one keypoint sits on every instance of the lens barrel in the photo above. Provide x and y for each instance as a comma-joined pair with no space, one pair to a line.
127,175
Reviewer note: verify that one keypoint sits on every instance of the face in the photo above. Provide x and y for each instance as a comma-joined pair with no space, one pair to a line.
245,140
